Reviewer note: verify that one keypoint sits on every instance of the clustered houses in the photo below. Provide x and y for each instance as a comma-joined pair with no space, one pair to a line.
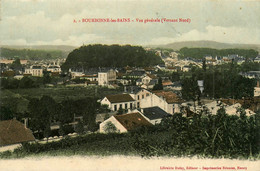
166,100
30,68
152,106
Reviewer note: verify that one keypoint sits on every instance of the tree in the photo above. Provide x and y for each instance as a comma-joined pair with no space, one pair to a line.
159,85
16,65
79,128
26,82
5,113
46,78
175,76
190,89
47,131
120,111
110,128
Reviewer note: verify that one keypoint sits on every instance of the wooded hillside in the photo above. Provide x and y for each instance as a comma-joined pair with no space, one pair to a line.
110,56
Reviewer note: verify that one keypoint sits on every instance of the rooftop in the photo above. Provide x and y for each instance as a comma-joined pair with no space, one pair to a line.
169,96
13,132
119,98
154,113
132,121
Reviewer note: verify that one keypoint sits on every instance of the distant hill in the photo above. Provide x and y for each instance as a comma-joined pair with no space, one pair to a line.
64,48
36,52
207,44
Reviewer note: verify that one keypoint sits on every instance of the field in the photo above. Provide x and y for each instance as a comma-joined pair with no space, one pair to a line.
18,99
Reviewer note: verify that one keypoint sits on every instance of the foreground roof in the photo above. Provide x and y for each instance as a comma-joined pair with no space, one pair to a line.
118,98
132,121
13,132
154,113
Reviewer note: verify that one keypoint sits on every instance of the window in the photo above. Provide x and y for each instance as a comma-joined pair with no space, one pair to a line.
138,104
131,105
121,106
115,107
125,105
147,94
142,96
138,97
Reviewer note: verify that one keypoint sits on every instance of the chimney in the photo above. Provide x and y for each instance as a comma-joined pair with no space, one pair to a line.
125,89
26,122
257,84
132,91
142,110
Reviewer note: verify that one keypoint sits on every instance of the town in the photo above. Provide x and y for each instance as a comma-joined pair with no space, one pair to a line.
47,100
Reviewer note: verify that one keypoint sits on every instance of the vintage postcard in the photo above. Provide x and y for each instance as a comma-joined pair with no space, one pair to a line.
129,85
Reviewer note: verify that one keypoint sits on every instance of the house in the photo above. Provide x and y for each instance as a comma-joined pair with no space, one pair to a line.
8,73
186,68
167,83
126,122
13,133
34,71
257,59
166,100
141,94
147,81
257,89
76,74
232,110
137,74
154,114
106,77
115,102
54,68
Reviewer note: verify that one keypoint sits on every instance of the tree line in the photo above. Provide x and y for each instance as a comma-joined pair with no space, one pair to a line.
200,53
45,111
31,54
94,56
221,81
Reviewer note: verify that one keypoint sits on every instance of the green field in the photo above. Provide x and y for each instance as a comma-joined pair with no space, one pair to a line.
18,99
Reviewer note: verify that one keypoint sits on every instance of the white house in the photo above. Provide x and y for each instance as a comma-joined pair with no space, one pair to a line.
115,102
166,100
141,95
106,77
54,68
125,122
34,71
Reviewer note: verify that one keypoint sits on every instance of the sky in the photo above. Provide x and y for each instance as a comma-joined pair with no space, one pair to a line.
51,22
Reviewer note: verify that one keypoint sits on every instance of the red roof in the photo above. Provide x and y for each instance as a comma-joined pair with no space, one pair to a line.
152,76
169,96
13,132
132,121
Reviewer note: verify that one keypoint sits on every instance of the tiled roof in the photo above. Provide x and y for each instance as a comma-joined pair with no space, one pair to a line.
152,76
167,83
13,132
119,98
132,121
169,96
